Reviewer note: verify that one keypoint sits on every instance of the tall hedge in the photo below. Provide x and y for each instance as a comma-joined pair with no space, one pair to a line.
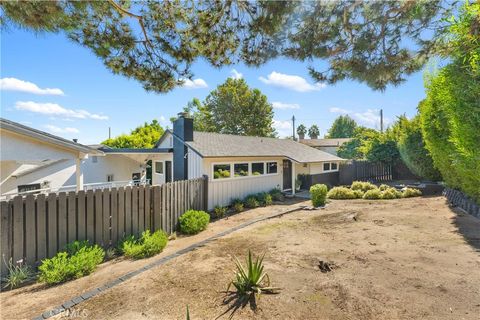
450,113
412,149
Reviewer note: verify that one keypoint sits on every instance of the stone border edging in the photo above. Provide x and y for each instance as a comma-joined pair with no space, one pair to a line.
461,200
92,293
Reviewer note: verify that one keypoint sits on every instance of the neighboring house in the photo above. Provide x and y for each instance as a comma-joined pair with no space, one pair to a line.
328,145
237,166
32,160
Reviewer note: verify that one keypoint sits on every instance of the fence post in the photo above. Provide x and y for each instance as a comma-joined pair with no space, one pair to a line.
205,192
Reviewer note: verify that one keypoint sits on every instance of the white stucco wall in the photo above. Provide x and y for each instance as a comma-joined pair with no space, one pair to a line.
167,142
119,165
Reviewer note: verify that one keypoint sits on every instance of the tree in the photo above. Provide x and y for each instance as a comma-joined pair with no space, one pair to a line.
412,149
301,131
157,42
313,132
234,108
145,136
342,127
450,115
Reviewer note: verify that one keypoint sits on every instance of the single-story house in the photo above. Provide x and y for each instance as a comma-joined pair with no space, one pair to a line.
33,160
328,145
237,166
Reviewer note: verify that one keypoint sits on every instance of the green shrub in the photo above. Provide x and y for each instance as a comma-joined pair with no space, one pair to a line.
219,211
363,186
148,245
80,259
192,221
411,192
342,193
373,194
264,199
391,193
383,187
276,194
318,193
17,274
237,205
358,194
251,202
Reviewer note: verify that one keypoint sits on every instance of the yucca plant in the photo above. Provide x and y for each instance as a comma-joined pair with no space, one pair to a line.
252,279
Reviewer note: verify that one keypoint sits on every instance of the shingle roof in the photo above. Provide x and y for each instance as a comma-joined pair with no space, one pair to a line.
209,144
325,142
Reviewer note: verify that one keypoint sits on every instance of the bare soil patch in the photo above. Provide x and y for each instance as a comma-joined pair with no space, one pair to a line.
397,259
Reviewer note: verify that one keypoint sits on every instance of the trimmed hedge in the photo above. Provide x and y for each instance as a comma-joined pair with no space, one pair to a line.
318,193
193,221
344,193
363,186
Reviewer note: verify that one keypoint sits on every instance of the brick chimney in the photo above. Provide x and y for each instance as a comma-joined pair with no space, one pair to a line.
183,132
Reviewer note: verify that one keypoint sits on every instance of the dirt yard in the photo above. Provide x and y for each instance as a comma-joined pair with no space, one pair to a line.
397,259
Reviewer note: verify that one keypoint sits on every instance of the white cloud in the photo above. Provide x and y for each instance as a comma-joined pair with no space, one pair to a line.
338,110
369,118
284,128
13,84
235,74
281,105
194,84
56,129
54,109
292,82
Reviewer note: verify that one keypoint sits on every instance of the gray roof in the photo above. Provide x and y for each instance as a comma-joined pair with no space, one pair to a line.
46,137
209,144
325,142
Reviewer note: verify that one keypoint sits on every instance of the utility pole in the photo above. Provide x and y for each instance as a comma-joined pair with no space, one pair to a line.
109,132
381,120
293,135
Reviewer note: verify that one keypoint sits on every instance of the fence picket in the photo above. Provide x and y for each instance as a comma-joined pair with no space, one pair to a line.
30,237
128,210
90,216
121,213
141,210
135,210
5,229
71,217
98,217
106,217
41,227
81,218
52,225
113,216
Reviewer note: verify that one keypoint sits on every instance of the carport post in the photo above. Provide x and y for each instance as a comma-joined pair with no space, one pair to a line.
293,179
79,173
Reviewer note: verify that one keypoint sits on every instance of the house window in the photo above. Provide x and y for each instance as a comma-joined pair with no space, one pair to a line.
334,166
271,167
94,159
28,187
109,177
326,166
258,168
221,171
240,169
159,167
330,166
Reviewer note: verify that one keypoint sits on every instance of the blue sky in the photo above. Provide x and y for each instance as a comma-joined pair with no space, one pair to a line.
85,98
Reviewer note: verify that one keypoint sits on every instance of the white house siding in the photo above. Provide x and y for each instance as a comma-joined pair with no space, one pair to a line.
195,163
317,168
157,178
167,142
121,167
222,191
53,176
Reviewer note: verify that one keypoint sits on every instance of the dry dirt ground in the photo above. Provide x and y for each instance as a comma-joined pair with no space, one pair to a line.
397,259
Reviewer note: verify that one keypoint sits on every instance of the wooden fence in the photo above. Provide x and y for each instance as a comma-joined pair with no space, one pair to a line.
360,170
36,227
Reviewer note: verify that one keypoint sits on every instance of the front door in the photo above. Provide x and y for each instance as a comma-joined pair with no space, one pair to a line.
287,174
168,171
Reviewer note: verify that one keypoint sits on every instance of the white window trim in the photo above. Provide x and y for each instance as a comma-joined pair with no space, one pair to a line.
250,175
331,170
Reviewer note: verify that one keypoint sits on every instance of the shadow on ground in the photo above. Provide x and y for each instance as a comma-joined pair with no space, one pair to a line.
468,226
